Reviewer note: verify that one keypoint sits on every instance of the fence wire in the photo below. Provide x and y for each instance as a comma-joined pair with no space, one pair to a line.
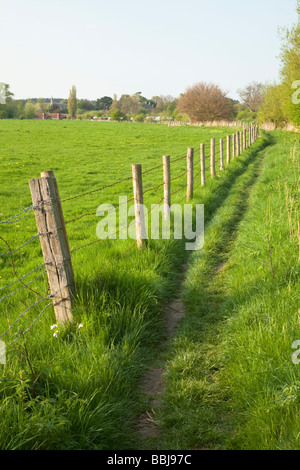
48,297
17,249
11,221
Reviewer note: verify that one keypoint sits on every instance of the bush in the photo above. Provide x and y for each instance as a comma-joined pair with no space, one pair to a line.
139,117
117,115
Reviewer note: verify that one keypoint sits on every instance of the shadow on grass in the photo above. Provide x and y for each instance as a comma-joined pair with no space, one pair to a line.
192,413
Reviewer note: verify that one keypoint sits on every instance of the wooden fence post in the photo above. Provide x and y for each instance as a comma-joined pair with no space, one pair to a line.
221,155
241,142
202,163
228,149
233,145
190,173
138,203
237,144
167,186
245,139
212,158
54,243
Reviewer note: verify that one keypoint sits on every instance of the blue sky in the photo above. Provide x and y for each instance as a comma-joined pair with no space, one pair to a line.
157,47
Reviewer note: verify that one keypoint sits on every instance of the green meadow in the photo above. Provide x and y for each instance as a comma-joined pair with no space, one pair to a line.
229,374
85,395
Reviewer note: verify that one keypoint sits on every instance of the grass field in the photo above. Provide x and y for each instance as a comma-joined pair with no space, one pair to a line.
86,394
79,390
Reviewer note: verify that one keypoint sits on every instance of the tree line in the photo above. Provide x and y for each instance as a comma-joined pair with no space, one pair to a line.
210,103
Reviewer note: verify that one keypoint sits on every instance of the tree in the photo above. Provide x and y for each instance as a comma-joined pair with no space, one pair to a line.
273,108
252,96
72,102
104,103
29,110
41,107
281,101
117,115
290,60
8,109
85,105
205,102
53,108
164,104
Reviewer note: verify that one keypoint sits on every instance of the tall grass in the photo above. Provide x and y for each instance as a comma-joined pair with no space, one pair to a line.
231,382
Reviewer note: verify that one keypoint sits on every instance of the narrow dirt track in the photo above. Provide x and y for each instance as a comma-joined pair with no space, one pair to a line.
152,383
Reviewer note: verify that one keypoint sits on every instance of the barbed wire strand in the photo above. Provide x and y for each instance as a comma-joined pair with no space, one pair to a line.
152,189
26,331
114,233
96,190
101,239
17,249
8,221
22,315
179,176
151,169
94,213
175,192
27,310
14,269
23,277
23,287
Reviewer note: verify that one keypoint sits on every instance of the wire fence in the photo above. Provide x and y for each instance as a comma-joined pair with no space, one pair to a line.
39,206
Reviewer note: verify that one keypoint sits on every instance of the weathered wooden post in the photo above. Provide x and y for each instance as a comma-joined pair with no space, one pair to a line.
241,142
245,139
54,243
233,145
202,163
190,173
167,186
237,144
228,148
212,158
138,203
221,155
